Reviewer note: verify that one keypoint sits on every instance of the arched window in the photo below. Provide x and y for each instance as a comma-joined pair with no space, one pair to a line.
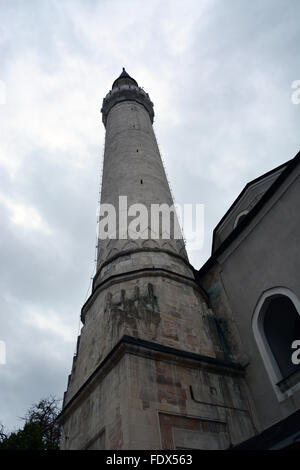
276,325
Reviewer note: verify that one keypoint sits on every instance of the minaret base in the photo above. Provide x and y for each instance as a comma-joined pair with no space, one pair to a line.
148,396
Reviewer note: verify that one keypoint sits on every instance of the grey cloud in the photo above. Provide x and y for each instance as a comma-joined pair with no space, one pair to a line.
219,74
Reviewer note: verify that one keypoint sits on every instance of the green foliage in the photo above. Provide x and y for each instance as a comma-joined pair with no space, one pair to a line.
41,430
29,438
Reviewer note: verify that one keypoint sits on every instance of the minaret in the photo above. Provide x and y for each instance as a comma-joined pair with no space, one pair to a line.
133,169
151,370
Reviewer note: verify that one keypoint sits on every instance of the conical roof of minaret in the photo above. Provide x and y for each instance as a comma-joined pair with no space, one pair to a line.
125,88
124,78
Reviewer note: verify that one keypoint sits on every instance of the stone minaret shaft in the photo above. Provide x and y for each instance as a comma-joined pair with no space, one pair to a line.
150,369
133,168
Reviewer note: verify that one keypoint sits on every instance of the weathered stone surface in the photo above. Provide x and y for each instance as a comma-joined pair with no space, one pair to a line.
138,397
143,401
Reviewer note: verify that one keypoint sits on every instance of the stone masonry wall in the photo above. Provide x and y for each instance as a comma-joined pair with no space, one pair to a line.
148,403
151,307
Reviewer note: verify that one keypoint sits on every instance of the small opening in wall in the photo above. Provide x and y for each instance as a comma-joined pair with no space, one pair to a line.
141,181
137,150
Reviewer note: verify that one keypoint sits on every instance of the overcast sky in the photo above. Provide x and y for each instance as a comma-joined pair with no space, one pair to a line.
219,73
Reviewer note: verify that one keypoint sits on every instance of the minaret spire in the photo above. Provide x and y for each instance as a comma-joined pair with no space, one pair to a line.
124,79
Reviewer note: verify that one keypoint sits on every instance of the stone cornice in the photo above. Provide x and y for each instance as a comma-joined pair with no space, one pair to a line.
140,250
126,93
155,351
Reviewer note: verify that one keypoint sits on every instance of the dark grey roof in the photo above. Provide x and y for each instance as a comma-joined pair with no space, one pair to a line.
124,74
287,430
288,168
